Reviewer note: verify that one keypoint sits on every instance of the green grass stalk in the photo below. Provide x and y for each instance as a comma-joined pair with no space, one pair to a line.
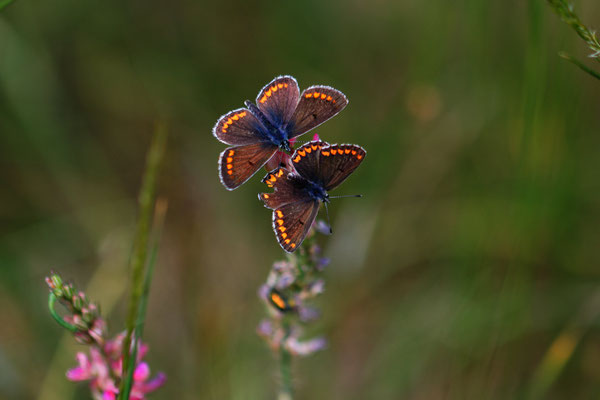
567,13
159,218
140,249
579,64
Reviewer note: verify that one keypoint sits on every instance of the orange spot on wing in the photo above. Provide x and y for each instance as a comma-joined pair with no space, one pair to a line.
347,151
328,98
325,153
308,150
282,229
229,166
275,298
280,85
280,173
333,151
268,94
274,89
316,94
229,121
265,196
229,159
224,129
308,95
333,101
279,214
243,114
264,98
314,146
297,159
359,157
285,84
283,235
323,96
231,153
353,152
235,117
230,172
301,153
287,241
280,222
293,245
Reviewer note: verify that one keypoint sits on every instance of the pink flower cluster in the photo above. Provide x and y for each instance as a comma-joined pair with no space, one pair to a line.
103,368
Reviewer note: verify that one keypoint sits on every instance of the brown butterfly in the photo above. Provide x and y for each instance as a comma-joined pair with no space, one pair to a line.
318,168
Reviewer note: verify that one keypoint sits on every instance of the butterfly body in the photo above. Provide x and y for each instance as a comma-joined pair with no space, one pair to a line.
273,132
317,168
280,114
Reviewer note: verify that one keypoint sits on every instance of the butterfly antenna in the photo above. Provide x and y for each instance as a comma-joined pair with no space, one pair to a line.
327,213
348,195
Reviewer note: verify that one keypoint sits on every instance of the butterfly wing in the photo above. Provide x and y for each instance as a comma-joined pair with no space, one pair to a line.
317,104
337,162
294,211
239,127
278,99
289,188
306,160
238,164
292,221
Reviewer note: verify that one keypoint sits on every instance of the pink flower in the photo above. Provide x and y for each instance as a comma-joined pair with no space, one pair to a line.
104,371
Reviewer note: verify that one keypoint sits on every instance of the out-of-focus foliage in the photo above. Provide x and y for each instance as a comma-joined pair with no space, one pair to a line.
468,270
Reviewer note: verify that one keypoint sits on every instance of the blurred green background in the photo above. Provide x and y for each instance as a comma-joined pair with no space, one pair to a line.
469,270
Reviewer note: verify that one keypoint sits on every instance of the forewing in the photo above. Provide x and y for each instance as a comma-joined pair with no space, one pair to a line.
238,164
306,160
278,99
291,223
337,162
317,104
289,188
239,127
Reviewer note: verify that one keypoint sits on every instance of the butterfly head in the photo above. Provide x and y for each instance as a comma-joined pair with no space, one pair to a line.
285,146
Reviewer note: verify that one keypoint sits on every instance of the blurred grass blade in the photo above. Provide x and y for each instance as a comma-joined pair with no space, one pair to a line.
578,63
4,3
555,360
159,218
140,248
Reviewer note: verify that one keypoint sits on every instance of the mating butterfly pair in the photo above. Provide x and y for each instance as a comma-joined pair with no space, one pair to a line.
255,133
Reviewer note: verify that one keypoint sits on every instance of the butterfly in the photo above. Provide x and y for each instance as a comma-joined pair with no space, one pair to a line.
281,113
318,167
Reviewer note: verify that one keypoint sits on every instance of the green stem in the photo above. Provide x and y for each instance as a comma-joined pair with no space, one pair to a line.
580,65
286,391
159,217
140,248
51,303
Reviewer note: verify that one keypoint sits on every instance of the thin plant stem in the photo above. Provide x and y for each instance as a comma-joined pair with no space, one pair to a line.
567,13
579,64
140,249
159,218
51,304
286,391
